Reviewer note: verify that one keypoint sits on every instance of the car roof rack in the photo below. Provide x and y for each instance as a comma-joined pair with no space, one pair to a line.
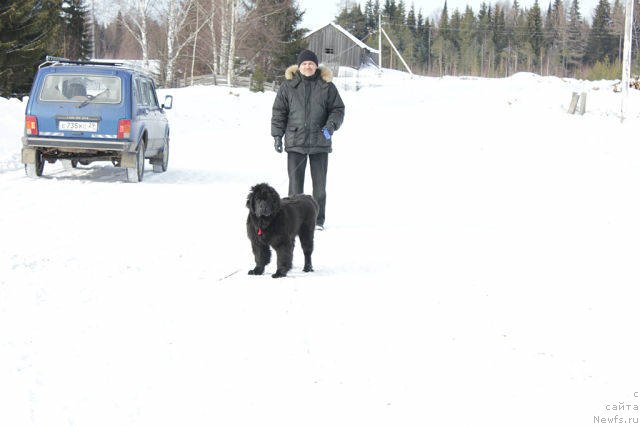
54,60
57,61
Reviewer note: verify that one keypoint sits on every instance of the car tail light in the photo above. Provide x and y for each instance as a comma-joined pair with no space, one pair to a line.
31,125
124,129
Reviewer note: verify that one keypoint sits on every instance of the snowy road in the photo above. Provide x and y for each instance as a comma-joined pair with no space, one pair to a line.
479,267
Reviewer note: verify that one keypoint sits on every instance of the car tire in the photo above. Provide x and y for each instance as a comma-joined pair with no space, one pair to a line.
164,156
35,170
135,174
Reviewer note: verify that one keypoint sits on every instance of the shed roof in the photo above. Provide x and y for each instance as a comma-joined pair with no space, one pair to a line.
348,34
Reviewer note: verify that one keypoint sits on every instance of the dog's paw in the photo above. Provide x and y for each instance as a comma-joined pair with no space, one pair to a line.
279,274
256,271
307,268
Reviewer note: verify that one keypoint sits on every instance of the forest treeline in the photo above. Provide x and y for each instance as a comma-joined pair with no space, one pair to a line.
261,37
499,39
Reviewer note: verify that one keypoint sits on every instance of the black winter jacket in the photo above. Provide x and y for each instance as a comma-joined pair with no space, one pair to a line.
303,106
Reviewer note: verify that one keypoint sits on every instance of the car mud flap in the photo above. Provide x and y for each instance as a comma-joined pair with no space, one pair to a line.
128,160
28,156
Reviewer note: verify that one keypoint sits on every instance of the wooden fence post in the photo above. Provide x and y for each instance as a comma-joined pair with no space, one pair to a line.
583,103
574,103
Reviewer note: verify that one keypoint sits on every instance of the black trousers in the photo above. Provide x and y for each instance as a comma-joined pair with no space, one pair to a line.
296,166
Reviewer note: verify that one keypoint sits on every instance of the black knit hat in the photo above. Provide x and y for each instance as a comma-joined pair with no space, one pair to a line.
307,55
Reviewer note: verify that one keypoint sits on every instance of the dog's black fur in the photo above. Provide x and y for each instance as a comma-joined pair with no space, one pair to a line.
275,222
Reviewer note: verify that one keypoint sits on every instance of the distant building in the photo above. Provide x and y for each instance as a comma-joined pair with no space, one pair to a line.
337,47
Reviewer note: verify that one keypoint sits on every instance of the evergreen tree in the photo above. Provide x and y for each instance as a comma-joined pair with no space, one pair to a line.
291,34
75,30
499,38
558,46
536,36
443,49
635,57
575,44
427,44
400,14
549,28
485,40
550,40
275,38
353,21
418,51
617,27
601,43
389,10
443,24
411,20
511,25
423,47
454,30
468,43
370,17
27,29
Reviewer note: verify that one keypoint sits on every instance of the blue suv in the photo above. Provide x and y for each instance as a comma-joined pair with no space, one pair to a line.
80,112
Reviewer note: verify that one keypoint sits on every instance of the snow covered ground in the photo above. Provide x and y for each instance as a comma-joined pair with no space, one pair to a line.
479,267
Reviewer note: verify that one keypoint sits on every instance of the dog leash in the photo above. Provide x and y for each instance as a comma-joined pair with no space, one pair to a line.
225,277
294,169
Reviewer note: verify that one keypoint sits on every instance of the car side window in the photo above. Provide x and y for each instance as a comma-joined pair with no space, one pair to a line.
140,95
146,94
153,99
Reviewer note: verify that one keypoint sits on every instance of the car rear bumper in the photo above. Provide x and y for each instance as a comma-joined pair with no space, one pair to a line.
93,144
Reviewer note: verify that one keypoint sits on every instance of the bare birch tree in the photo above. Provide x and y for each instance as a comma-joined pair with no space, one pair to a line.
136,23
177,13
195,42
228,36
232,4
224,37
214,44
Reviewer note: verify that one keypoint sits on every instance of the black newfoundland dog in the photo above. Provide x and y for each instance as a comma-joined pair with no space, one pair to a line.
275,222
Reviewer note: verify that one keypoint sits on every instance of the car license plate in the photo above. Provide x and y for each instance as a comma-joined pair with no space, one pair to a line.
78,126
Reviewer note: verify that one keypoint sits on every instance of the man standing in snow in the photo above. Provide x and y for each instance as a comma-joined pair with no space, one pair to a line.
307,110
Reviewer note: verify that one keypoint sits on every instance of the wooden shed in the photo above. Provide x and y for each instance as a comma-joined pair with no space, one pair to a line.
337,47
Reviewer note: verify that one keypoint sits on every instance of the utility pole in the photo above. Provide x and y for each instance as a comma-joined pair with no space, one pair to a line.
379,40
626,57
398,53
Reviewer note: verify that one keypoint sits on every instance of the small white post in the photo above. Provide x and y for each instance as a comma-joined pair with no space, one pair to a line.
379,41
626,57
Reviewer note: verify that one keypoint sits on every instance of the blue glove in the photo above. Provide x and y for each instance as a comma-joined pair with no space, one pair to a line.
326,132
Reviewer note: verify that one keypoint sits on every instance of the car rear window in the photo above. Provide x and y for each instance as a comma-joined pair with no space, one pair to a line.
100,89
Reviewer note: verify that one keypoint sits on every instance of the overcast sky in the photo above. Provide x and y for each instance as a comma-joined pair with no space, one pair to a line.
321,12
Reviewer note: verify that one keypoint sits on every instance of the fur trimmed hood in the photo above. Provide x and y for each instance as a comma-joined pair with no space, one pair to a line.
325,73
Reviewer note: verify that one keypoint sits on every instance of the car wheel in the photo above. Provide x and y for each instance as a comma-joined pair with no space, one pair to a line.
35,170
164,156
135,174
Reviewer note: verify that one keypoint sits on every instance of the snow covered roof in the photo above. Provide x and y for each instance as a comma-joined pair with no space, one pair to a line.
348,34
